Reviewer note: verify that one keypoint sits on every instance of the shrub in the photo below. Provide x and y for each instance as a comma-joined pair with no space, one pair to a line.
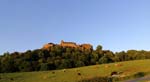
139,74
44,67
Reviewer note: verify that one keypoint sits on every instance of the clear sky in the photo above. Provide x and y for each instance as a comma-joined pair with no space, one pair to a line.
115,24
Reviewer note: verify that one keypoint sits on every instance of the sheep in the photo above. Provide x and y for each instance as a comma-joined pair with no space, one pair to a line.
107,66
53,72
79,74
114,73
118,65
64,70
11,79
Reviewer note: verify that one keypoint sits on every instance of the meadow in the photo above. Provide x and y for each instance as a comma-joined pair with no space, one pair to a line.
126,69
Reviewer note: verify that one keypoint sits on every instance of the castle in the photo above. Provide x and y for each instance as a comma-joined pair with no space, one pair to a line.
46,46
69,44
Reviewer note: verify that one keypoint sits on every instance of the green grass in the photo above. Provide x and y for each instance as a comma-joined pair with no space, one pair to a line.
71,75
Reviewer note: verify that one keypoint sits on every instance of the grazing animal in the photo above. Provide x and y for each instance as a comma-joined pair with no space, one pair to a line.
118,65
114,73
64,70
79,73
53,72
107,66
11,79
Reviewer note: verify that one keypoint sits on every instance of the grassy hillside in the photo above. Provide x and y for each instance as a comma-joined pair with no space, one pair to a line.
127,68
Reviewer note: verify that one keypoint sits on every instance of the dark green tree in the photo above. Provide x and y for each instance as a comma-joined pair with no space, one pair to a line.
79,63
44,66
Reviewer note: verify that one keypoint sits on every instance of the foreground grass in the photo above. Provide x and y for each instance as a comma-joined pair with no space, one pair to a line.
127,68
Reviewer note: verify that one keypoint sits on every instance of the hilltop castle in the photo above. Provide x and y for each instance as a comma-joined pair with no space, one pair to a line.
69,44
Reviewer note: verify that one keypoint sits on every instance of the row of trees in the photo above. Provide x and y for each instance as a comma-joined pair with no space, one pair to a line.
58,57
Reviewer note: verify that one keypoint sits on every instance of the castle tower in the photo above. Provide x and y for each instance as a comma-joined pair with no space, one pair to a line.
62,41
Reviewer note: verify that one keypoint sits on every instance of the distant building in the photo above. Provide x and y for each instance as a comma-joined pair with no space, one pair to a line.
86,46
68,44
46,46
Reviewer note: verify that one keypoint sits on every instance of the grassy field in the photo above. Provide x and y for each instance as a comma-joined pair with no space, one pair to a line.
127,68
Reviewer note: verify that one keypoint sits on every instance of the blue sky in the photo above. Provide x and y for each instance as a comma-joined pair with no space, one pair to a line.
115,24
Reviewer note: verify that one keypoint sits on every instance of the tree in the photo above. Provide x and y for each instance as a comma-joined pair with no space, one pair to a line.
95,56
25,66
58,50
57,57
0,67
65,63
103,60
99,48
9,66
44,67
93,61
57,63
79,63
122,56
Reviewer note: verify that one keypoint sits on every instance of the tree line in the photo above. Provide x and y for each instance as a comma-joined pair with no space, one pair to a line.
58,57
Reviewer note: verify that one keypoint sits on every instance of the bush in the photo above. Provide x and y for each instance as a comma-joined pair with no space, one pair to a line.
44,67
139,74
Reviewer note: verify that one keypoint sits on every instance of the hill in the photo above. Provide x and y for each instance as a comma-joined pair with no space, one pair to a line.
64,55
127,69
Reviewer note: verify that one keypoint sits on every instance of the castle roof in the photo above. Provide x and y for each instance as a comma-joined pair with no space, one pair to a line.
68,42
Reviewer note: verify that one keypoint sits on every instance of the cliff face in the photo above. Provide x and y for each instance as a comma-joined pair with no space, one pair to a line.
69,44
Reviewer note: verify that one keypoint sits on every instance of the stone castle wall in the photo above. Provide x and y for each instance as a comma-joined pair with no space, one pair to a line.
87,46
46,46
69,44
